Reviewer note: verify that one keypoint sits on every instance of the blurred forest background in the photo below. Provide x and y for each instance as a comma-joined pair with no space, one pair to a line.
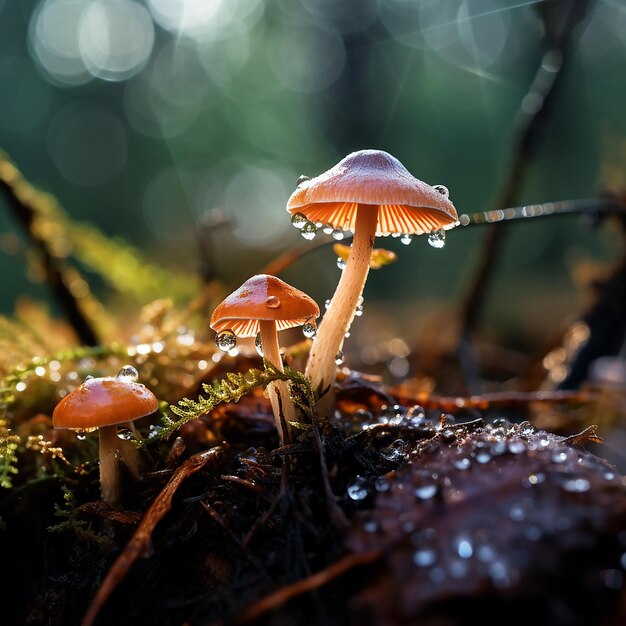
183,125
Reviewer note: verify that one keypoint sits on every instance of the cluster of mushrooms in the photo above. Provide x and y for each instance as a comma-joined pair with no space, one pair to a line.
369,193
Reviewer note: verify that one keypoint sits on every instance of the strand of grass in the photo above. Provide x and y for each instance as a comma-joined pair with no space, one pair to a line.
140,541
229,389
531,117
24,202
9,441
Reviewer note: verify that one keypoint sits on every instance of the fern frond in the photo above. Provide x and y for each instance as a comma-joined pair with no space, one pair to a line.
232,389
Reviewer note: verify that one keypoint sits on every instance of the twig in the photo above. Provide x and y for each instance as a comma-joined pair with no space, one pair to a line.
138,545
501,399
285,260
20,199
280,597
532,115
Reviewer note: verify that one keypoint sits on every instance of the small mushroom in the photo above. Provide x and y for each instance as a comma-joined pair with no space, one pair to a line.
264,305
369,192
104,404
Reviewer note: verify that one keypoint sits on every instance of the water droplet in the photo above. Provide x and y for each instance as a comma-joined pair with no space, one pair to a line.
462,464
359,310
302,179
424,558
339,358
577,485
128,374
498,448
442,190
226,340
517,513
517,447
327,229
299,221
500,422
406,239
381,484
341,264
309,230
527,428
81,437
124,434
559,456
327,304
89,377
357,490
485,553
337,234
272,302
482,454
437,238
154,431
370,526
464,547
534,479
309,330
258,345
426,492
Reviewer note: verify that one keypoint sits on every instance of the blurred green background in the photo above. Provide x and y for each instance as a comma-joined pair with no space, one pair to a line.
152,118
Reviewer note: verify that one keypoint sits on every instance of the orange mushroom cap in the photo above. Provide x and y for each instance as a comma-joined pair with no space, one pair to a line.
263,297
405,204
102,402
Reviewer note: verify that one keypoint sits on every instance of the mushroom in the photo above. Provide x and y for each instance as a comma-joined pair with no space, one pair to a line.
368,192
263,305
104,404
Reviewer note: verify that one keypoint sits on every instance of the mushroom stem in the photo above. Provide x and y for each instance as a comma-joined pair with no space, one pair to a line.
130,457
109,467
271,352
321,366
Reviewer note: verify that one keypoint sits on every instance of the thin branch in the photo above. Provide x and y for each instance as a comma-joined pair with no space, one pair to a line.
531,118
21,197
283,595
140,540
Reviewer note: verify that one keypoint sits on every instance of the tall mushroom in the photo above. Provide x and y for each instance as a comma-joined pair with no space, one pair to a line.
265,305
103,404
368,192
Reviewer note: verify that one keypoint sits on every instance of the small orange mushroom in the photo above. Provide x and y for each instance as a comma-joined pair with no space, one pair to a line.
104,404
368,192
263,305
